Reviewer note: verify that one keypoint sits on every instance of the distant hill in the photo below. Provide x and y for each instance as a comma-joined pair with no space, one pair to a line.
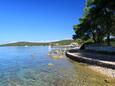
62,42
24,44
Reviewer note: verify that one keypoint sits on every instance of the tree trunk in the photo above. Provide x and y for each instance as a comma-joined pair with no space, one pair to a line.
93,34
108,39
108,24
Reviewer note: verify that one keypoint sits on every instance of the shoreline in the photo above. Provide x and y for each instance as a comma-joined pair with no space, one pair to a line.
110,73
95,65
94,74
103,67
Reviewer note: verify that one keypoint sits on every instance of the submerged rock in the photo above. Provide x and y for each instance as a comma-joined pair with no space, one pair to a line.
56,54
50,64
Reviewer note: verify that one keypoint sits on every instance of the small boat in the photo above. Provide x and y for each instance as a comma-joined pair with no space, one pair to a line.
49,47
26,45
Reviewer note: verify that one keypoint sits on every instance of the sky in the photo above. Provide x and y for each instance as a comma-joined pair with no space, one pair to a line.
38,20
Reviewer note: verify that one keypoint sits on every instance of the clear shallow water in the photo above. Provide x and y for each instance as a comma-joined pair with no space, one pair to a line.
28,66
31,66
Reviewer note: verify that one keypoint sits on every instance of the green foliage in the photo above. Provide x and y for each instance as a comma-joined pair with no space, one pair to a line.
97,22
87,8
63,42
81,42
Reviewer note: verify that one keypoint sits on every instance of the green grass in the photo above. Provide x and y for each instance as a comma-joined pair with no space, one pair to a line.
113,43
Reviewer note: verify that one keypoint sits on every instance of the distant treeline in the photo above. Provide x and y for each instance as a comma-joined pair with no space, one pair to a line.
62,42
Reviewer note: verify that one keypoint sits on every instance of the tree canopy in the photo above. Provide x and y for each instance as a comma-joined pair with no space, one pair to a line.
97,22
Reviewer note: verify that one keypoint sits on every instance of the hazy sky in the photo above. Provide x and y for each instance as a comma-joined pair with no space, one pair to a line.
38,20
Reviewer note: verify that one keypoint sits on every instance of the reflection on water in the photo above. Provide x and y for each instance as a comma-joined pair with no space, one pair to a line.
29,66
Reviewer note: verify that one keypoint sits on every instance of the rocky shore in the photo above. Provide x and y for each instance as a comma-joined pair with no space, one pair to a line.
56,54
110,73
103,66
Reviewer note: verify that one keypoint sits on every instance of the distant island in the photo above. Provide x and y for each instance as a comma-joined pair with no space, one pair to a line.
61,42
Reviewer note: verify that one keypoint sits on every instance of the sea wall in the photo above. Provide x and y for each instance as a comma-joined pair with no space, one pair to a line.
89,61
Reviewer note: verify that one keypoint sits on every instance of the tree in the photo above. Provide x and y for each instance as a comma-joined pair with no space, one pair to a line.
98,20
107,10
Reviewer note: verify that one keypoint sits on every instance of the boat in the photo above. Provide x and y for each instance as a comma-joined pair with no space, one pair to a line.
49,46
26,45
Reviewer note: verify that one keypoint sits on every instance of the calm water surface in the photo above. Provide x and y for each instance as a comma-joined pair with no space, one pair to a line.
29,66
